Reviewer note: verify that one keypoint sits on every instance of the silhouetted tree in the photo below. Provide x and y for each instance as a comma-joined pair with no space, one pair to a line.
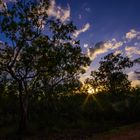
110,75
38,61
137,61
93,83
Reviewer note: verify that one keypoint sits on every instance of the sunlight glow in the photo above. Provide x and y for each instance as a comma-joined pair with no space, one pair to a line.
92,96
91,90
97,90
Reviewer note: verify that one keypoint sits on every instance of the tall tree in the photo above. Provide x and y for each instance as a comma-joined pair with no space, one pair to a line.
37,60
110,75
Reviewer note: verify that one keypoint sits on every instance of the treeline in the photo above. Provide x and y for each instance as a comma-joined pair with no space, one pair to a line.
40,67
81,111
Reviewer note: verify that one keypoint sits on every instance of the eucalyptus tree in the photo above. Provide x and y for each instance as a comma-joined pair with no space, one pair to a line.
110,75
38,52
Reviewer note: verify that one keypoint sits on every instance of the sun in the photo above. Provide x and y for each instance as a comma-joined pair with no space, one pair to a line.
91,95
91,90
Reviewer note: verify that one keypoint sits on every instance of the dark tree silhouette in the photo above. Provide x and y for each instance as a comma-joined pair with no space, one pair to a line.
137,61
110,75
37,61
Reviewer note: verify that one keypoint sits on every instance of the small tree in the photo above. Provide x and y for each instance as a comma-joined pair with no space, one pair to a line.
110,75
37,61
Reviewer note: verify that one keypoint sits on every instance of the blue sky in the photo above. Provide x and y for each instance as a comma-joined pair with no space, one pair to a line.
108,18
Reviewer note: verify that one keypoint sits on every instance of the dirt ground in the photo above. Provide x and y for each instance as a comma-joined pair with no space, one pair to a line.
124,133
129,132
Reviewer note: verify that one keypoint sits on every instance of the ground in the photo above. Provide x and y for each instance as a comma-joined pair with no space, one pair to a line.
129,132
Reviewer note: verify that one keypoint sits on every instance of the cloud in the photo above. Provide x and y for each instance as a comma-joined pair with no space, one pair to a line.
137,43
103,47
54,11
85,45
88,9
1,42
84,29
131,50
114,44
135,83
86,75
132,34
3,3
58,12
118,52
98,49
132,77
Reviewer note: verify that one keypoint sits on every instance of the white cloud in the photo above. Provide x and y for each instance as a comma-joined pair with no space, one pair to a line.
3,6
118,52
84,29
103,47
58,12
132,77
130,51
113,44
132,34
94,52
85,45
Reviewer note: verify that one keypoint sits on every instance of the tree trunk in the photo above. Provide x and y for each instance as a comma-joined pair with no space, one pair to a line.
23,101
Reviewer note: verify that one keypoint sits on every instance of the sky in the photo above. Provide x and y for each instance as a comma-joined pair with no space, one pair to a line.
103,26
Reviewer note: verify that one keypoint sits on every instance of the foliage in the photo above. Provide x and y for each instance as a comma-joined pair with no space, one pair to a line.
110,75
137,61
38,62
